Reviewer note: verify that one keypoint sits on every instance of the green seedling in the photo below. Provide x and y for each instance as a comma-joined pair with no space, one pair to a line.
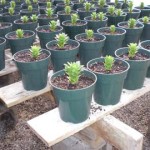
53,25
30,8
13,4
48,5
101,16
19,33
49,12
130,7
108,63
28,2
35,51
89,34
81,1
61,39
133,49
35,1
112,29
73,70
74,18
142,5
34,18
101,3
145,19
94,16
67,10
67,2
131,23
125,1
87,6
116,2
118,12
11,11
24,19
111,10
3,2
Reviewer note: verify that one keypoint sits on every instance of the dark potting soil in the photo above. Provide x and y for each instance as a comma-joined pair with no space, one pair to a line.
21,22
94,39
66,47
126,26
79,23
15,36
3,25
138,56
99,67
63,82
107,31
48,30
83,9
27,57
147,47
7,14
46,17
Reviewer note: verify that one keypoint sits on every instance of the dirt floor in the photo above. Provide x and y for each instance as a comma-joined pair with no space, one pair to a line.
137,115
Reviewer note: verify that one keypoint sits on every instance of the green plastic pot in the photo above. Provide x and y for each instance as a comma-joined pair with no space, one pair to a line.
108,86
90,50
34,74
25,26
137,71
44,20
61,6
95,24
63,17
45,37
61,57
103,9
17,8
73,30
2,53
25,6
144,12
132,34
145,33
76,4
74,105
42,9
135,14
82,13
28,13
114,20
113,41
118,6
142,45
7,27
22,43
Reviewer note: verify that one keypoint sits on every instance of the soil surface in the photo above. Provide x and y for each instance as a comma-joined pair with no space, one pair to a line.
4,25
107,31
25,35
66,47
147,47
48,30
137,115
94,39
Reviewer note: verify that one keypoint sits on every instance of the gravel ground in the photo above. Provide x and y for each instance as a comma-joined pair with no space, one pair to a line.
137,115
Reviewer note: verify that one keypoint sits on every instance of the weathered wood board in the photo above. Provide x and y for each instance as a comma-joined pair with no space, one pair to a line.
51,129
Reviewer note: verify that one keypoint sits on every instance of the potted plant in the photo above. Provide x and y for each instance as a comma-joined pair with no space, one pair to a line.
139,60
65,14
20,39
101,6
117,4
91,45
3,3
29,12
133,31
86,10
132,13
111,73
77,4
145,10
74,26
33,66
13,5
62,50
26,23
44,2
2,53
145,33
47,33
114,39
5,27
125,4
61,6
44,19
115,16
28,3
73,88
146,45
96,21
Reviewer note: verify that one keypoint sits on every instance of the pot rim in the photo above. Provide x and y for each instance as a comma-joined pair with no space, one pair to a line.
15,22
63,23
8,23
3,41
143,42
86,19
37,29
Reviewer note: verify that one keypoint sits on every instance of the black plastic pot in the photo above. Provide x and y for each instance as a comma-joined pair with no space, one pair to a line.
45,37
132,34
95,24
2,53
42,9
144,12
118,6
143,45
101,9
82,13
145,33
73,30
34,74
61,57
76,4
137,71
109,86
25,6
61,6
74,105
90,49
17,8
113,41
22,43
28,13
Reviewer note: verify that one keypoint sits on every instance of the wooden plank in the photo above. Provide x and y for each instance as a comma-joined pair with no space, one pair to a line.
119,134
51,129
